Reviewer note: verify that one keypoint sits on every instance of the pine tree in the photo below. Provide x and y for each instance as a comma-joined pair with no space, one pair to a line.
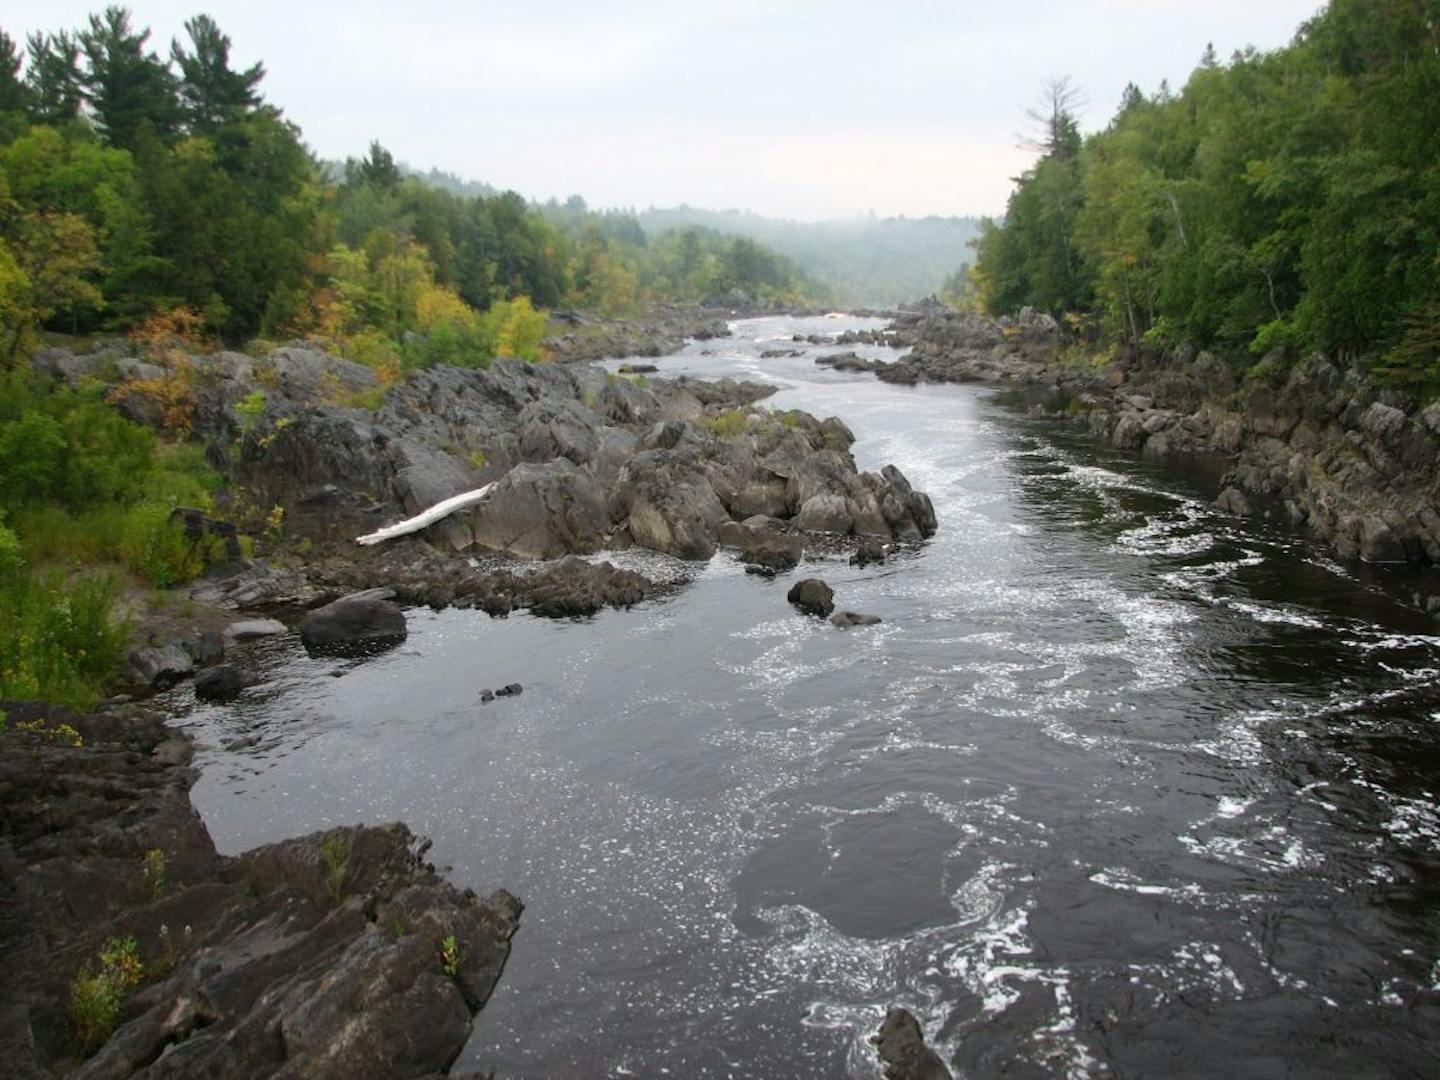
213,94
127,87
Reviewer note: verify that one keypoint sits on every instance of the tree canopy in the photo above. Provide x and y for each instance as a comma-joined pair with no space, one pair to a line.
1284,200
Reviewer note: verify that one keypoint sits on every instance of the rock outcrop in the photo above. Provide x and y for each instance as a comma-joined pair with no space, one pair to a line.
338,954
903,1052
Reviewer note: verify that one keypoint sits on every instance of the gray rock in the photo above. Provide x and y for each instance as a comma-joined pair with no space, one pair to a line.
542,512
1233,501
249,629
160,667
353,627
813,597
845,619
901,1046
223,683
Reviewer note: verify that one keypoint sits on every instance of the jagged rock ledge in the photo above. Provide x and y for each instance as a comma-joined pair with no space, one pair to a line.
662,330
1320,446
339,954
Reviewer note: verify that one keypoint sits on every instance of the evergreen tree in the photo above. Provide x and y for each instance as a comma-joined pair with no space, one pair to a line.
127,87
212,94
54,78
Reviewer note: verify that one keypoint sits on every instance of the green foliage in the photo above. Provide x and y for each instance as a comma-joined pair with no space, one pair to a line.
59,639
450,957
251,409
728,424
96,995
1283,201
335,857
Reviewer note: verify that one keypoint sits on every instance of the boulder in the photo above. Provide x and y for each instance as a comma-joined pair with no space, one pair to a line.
206,648
353,627
223,683
160,667
813,597
901,1046
775,551
867,552
666,502
542,512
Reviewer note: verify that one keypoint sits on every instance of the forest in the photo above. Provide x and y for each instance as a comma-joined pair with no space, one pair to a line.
134,183
162,201
1280,203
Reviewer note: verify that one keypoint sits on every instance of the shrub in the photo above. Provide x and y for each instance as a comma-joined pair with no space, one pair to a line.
58,639
727,424
96,995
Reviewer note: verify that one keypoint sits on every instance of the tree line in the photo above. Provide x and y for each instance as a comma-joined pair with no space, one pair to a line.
134,183
1280,203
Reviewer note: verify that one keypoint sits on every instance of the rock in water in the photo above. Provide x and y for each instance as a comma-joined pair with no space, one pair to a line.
868,551
353,626
854,618
903,1051
223,683
813,597
160,668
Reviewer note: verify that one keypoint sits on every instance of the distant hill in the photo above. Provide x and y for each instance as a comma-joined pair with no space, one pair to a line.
868,260
864,261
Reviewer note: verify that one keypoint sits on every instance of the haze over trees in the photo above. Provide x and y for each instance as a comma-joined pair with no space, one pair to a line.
865,261
1279,203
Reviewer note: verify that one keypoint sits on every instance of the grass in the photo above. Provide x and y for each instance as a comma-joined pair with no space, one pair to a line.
450,956
728,424
58,639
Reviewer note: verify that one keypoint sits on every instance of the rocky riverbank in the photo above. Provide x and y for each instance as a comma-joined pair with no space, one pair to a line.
583,462
125,934
1315,444
662,330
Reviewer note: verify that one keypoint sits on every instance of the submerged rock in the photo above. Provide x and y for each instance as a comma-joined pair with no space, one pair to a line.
223,683
845,619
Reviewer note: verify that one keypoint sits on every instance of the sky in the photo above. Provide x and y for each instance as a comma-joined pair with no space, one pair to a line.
806,110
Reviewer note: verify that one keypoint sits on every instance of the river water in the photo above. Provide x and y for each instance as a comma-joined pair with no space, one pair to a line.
1121,786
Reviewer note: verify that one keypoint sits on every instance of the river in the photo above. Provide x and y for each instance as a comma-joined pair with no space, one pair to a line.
1121,786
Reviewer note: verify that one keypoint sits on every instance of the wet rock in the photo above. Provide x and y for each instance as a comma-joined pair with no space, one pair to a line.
772,550
353,627
160,667
813,597
1233,501
574,587
250,629
510,690
638,369
223,683
901,1046
845,619
868,552
206,648
487,696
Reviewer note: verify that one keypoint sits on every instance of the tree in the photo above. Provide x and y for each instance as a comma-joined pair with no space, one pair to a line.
212,94
14,95
53,78
128,87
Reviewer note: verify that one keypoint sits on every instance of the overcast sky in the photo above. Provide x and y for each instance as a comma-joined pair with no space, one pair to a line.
804,110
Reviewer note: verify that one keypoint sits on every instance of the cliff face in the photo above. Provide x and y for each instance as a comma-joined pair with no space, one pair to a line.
1321,447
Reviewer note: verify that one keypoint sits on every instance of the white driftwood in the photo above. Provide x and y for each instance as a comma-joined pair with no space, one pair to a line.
427,517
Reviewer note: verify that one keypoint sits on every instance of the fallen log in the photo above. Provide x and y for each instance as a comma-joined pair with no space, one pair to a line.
436,513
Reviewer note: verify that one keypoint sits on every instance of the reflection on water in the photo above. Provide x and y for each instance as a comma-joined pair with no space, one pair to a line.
1121,786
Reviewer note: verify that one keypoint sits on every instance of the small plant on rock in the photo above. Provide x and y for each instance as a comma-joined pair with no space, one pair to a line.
335,853
153,871
450,956
96,995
